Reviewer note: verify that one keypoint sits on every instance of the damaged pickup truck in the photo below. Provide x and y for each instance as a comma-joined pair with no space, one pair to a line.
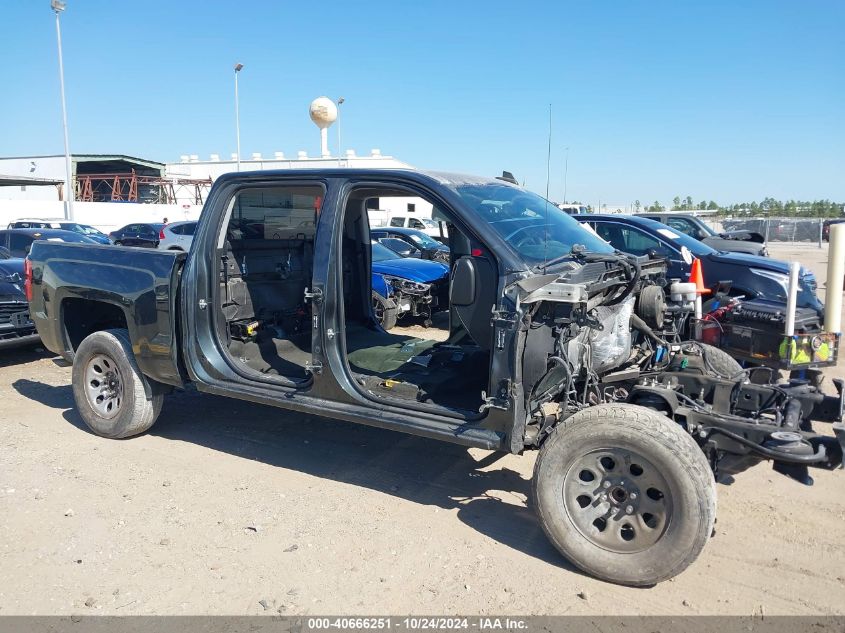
556,342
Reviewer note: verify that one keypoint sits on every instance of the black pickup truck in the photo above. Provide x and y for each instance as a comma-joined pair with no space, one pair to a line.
555,342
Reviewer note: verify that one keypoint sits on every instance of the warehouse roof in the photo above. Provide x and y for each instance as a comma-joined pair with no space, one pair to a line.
85,158
24,181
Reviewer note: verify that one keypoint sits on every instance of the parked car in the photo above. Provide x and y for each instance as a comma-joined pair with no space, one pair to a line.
15,325
413,221
544,352
731,241
177,236
411,243
65,225
19,241
416,287
778,229
147,235
826,227
749,275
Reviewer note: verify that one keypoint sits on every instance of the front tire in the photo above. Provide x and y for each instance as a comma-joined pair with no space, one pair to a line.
385,311
625,494
109,388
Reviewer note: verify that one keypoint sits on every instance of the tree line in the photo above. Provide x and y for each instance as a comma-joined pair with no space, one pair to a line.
767,207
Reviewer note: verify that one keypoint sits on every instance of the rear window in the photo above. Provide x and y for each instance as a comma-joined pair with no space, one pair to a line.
276,213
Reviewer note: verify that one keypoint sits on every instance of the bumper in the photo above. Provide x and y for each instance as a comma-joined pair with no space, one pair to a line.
19,341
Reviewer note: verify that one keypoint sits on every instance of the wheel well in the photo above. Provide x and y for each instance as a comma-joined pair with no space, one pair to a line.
82,317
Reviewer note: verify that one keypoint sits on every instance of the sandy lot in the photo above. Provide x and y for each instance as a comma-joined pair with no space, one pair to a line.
228,507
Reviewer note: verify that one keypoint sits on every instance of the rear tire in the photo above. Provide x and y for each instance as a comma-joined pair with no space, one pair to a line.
109,389
625,494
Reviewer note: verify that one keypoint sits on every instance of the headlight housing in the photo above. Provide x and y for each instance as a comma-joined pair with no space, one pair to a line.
406,285
780,278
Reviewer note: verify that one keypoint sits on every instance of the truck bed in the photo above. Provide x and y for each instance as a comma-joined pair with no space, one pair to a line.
80,288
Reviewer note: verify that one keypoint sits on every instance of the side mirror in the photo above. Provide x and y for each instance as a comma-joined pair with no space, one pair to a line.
462,287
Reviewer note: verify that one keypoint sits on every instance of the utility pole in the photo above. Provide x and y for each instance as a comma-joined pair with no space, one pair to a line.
238,68
340,101
565,175
58,6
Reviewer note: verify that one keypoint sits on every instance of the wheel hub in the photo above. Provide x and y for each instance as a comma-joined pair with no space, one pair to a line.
617,500
103,387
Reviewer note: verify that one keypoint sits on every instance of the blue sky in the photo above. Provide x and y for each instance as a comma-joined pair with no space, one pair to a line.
726,100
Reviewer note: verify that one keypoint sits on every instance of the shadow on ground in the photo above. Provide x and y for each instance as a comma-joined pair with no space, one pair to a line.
417,469
19,354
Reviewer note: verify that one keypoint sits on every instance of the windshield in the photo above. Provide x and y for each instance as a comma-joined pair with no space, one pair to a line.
382,253
65,236
82,228
532,226
678,239
424,240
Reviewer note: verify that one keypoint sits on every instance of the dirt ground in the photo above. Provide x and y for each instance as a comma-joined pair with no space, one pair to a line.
225,507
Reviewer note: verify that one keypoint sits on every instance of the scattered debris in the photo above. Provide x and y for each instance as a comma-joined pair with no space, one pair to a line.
583,595
252,528
69,512
264,604
90,602
164,541
292,548
166,483
686,603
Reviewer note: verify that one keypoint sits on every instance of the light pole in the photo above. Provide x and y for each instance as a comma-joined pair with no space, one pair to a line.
238,68
58,6
339,150
565,174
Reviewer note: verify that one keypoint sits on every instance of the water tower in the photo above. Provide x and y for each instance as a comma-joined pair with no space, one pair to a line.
323,112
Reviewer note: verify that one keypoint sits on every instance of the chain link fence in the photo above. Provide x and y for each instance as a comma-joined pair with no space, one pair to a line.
807,230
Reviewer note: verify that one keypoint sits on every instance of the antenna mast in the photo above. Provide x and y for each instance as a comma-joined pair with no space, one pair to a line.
548,176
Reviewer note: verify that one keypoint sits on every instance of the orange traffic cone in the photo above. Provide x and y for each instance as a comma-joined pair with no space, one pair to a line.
696,277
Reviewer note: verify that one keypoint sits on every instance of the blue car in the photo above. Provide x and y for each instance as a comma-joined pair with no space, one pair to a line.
406,286
15,325
411,243
751,276
64,225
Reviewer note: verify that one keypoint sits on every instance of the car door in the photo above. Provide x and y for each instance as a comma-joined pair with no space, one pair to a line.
130,234
148,236
687,227
186,235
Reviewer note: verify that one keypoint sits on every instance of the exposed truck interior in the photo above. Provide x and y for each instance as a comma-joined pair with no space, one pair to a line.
266,255
447,365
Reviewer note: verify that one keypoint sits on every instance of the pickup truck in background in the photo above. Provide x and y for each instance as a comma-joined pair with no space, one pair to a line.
738,241
556,342
16,327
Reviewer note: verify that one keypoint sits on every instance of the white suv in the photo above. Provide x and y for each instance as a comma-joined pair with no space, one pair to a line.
177,236
426,225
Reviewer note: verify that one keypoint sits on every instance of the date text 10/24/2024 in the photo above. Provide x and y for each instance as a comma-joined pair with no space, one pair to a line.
416,624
